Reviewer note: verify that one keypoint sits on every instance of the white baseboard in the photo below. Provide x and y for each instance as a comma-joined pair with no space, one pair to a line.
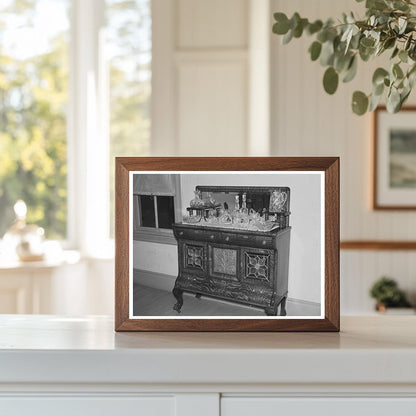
154,280
304,302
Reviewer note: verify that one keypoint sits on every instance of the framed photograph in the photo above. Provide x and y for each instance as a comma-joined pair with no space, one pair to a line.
395,159
227,244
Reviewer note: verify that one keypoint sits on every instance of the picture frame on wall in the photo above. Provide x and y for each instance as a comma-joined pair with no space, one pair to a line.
394,150
227,244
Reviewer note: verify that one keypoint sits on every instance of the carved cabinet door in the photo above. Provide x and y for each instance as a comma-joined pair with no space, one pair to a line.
224,262
194,257
257,266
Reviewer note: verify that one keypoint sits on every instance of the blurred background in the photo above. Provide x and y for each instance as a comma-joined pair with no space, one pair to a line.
83,81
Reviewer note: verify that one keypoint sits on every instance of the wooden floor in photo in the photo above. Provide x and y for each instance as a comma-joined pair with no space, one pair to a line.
155,302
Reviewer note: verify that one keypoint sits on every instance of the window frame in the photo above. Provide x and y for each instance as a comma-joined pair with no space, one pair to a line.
152,234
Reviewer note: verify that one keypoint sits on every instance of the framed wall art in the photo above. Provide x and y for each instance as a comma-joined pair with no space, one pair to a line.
227,244
394,184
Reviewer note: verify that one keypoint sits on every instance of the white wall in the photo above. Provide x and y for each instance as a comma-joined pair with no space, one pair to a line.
305,247
201,82
307,121
154,257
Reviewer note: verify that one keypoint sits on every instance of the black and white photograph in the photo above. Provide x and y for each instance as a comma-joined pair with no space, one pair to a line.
226,245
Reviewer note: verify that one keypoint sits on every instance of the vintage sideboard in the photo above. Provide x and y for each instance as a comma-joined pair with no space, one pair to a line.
241,265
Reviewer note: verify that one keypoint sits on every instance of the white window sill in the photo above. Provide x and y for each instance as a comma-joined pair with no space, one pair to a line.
154,235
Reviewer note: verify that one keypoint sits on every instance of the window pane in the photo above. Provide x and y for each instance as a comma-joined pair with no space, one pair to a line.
165,211
147,211
129,45
33,100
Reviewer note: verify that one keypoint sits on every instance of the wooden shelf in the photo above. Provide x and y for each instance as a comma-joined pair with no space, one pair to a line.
377,245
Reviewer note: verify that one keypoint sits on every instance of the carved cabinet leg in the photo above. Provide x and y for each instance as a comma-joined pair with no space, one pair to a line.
283,307
271,311
178,295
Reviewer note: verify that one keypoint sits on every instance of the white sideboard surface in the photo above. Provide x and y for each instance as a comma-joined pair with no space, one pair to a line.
62,365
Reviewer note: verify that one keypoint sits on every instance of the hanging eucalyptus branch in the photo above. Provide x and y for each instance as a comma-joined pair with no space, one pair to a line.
389,27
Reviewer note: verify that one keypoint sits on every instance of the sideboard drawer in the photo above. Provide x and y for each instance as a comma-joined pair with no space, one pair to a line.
247,239
203,234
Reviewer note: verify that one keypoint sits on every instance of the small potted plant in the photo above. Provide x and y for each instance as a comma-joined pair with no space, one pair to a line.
387,294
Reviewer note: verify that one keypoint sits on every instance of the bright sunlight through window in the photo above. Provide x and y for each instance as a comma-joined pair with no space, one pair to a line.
33,102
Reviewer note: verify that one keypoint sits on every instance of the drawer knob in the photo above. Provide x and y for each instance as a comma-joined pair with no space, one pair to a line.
181,233
264,242
211,236
227,238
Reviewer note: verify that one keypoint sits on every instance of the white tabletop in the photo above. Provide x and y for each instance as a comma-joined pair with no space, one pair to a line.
46,349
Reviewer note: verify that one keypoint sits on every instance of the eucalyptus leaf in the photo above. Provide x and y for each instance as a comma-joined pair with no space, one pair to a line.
367,42
288,37
346,34
402,22
376,4
298,30
394,25
322,35
412,70
327,54
281,26
294,20
353,30
408,42
411,78
400,5
397,71
393,101
342,62
399,85
315,50
330,80
331,33
350,18
395,52
355,41
350,73
389,43
359,103
366,53
403,56
378,89
379,75
412,52
314,27
404,96
374,102
337,43
376,36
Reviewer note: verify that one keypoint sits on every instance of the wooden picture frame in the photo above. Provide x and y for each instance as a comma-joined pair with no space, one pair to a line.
323,171
394,146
